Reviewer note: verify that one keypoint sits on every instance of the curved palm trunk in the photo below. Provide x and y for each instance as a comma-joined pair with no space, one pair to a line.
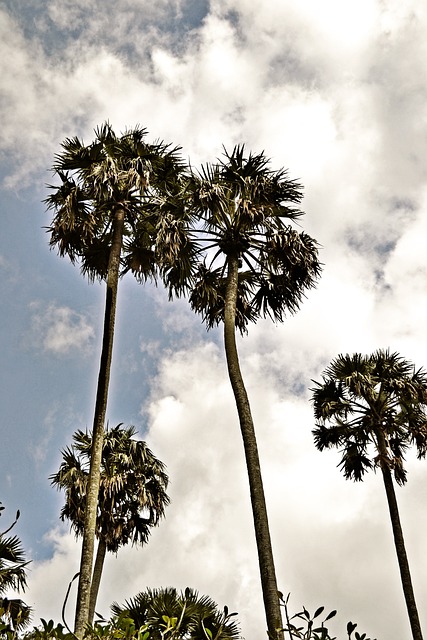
402,558
83,595
96,577
399,542
259,509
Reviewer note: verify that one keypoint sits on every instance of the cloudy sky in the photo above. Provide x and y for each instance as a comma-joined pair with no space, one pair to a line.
336,92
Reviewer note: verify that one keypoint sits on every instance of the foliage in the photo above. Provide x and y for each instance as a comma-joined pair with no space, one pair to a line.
167,613
131,498
159,614
312,627
14,613
49,631
144,180
132,495
242,204
366,401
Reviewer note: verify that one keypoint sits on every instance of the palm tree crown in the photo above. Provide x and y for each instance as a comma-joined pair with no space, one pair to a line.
365,402
120,172
182,615
242,205
132,495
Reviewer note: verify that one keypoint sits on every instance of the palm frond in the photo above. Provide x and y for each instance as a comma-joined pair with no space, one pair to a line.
132,493
354,462
16,614
366,400
193,614
13,565
208,297
145,180
241,204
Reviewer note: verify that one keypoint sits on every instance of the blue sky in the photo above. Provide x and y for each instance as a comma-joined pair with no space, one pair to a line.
337,93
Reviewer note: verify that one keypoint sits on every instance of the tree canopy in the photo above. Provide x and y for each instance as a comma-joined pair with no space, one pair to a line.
363,399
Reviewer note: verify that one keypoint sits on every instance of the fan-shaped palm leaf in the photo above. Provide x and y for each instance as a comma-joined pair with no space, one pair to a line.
189,615
13,576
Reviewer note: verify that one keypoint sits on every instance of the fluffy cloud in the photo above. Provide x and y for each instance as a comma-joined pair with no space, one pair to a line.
325,531
339,97
61,330
49,579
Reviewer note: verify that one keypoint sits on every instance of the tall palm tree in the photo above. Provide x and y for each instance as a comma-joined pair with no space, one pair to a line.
13,575
255,265
373,408
116,211
178,615
132,495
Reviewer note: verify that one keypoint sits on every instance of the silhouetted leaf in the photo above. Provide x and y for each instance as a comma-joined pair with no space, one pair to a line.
351,627
331,615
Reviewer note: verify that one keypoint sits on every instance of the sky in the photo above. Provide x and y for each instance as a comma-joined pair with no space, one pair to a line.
336,92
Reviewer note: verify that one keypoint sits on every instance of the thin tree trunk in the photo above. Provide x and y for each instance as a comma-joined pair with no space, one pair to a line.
402,558
96,577
83,595
399,542
259,509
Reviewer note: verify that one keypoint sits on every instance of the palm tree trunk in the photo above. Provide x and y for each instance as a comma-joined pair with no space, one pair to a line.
83,595
259,509
96,577
399,542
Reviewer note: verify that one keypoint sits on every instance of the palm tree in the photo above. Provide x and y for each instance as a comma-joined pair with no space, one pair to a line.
116,211
255,265
373,408
184,615
13,575
132,494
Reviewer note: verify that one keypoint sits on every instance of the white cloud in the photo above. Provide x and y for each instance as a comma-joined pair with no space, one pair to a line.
48,579
61,330
338,96
332,538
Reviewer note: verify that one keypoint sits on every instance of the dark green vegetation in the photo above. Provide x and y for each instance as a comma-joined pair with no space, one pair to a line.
166,614
305,626
373,408
132,494
14,613
172,614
